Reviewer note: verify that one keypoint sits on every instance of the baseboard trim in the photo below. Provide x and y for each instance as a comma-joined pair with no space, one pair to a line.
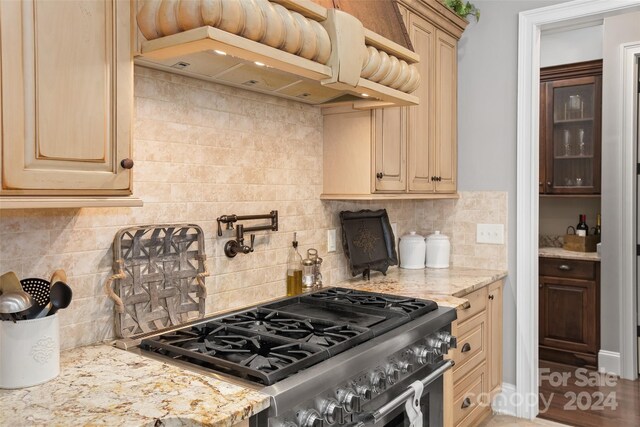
609,362
504,402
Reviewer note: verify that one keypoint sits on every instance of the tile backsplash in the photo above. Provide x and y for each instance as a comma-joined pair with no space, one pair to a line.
203,150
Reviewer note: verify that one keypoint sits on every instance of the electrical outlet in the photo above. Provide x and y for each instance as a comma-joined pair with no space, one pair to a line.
331,240
490,233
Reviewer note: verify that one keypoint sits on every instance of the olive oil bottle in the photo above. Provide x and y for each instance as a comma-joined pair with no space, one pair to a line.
294,269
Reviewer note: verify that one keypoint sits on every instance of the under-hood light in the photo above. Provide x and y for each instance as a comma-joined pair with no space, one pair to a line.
220,52
259,64
364,95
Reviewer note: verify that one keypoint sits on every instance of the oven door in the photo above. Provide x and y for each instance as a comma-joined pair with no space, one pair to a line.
389,409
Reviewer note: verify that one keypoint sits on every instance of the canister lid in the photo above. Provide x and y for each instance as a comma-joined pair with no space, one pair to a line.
437,236
412,236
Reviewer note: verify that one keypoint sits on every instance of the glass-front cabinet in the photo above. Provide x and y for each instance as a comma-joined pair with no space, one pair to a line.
570,128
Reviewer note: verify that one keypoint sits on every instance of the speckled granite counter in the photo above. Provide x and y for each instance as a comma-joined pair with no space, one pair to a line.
447,287
102,385
565,254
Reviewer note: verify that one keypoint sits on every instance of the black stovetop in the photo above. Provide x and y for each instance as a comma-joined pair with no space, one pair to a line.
273,341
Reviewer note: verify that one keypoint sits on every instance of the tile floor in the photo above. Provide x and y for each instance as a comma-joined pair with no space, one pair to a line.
504,421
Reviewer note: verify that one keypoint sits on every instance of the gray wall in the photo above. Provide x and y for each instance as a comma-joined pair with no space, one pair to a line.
487,90
617,30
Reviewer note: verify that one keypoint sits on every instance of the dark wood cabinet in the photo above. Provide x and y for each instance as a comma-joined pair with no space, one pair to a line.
570,128
569,304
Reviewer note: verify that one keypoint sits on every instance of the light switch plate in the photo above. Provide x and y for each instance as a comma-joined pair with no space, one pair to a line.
490,233
331,240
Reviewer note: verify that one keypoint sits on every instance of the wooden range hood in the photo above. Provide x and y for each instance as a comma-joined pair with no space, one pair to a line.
294,49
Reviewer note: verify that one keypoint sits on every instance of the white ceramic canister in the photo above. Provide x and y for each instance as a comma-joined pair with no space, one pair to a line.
29,352
412,251
438,249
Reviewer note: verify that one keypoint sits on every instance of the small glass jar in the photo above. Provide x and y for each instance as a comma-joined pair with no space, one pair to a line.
308,273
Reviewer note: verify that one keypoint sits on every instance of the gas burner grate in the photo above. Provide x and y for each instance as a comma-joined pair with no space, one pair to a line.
333,335
252,355
410,306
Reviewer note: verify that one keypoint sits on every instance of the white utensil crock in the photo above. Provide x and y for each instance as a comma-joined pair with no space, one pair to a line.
412,251
438,249
29,352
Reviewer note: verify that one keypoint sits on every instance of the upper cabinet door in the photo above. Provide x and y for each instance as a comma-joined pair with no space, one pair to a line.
573,135
67,97
446,154
422,117
390,149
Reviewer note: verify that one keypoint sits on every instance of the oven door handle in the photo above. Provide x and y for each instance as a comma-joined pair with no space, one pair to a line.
387,408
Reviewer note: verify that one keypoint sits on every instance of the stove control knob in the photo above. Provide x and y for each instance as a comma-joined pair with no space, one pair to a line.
310,418
349,399
438,346
332,411
424,355
392,373
405,366
364,391
452,342
377,380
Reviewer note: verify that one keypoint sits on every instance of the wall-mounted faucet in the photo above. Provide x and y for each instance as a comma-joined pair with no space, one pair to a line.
237,246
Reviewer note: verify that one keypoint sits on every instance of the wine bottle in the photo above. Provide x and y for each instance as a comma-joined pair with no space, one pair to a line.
598,229
582,229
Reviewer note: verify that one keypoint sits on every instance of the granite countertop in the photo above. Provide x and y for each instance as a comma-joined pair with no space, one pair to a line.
565,254
446,286
103,385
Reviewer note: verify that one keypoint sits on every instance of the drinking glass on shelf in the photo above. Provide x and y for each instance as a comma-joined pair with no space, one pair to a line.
575,105
568,182
567,142
581,143
579,182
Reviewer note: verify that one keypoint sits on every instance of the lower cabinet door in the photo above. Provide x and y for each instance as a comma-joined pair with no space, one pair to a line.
567,320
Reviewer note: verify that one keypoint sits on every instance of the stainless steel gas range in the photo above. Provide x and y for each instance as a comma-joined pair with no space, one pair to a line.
333,357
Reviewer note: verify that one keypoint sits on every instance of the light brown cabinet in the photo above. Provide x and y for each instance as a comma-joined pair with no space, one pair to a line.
402,152
477,374
67,103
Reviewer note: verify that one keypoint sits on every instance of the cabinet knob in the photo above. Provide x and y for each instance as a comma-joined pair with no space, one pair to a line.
540,285
549,183
491,297
564,267
126,163
379,175
466,348
466,403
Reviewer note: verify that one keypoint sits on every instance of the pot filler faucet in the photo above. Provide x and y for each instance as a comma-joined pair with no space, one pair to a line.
237,246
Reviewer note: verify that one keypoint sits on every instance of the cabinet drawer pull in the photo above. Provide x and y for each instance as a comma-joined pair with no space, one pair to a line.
126,163
379,175
564,267
549,183
466,403
466,347
491,297
466,305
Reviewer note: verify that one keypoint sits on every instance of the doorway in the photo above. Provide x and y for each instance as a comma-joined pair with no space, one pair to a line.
531,23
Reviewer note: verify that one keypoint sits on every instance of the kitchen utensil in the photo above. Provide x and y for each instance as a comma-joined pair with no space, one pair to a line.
438,248
413,249
61,295
13,304
58,276
40,291
9,282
